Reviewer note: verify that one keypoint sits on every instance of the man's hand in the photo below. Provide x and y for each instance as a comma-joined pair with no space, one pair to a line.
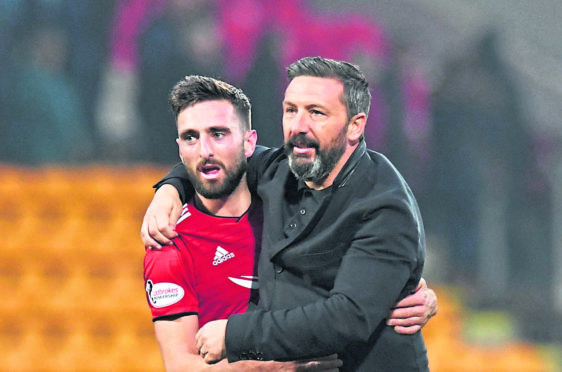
330,363
414,311
159,223
327,364
210,341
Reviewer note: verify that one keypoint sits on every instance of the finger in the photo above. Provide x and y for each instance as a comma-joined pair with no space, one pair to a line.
407,330
431,300
416,299
329,365
407,312
211,358
155,232
166,230
166,222
162,223
421,285
407,322
213,354
326,363
175,214
147,240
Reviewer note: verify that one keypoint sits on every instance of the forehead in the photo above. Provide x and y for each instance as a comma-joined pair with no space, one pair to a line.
314,90
208,114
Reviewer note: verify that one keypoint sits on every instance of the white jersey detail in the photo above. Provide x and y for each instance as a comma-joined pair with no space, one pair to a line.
222,255
250,282
184,213
163,294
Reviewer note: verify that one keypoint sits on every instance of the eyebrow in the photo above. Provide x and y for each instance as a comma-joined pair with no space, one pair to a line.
212,129
220,128
307,107
187,132
316,105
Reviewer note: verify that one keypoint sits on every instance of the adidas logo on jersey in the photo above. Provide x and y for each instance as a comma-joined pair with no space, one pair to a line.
222,255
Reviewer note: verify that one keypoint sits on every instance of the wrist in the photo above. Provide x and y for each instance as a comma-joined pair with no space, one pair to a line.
168,190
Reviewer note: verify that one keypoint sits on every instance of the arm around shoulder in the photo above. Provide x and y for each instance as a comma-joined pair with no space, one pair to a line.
159,222
178,178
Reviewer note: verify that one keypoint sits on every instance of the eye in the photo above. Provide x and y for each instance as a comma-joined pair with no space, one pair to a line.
189,137
289,111
317,113
219,134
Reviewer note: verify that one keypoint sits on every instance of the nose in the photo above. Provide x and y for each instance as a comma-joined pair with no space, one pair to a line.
298,124
205,147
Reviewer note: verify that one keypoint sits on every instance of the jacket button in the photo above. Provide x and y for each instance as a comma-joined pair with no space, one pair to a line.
302,211
278,269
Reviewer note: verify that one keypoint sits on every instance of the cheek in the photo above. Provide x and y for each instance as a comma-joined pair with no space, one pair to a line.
186,152
332,133
286,129
181,148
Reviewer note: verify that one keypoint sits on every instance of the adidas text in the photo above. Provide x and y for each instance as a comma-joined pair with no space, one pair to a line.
222,255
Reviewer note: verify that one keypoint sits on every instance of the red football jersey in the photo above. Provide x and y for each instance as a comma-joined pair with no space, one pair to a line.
211,268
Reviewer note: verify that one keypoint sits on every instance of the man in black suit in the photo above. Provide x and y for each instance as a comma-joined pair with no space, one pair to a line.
343,237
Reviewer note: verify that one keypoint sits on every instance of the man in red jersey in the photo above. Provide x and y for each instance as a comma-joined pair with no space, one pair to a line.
208,272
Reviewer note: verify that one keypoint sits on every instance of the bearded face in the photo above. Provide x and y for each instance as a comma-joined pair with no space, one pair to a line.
314,169
212,146
232,171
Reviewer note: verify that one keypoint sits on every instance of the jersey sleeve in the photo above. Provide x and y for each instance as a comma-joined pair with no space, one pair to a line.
168,279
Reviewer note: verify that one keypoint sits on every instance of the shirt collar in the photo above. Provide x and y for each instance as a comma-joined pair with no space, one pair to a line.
350,165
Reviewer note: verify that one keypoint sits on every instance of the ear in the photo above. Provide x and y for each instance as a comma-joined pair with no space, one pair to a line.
356,127
179,151
250,140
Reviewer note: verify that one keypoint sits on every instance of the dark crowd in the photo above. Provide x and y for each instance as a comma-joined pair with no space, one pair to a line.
87,81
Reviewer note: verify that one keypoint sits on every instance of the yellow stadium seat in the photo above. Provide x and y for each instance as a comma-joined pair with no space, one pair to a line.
73,265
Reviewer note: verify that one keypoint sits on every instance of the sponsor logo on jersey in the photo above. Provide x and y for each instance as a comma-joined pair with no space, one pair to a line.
184,213
246,281
163,294
222,255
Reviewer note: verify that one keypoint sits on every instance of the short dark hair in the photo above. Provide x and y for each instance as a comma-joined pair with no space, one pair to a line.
195,89
357,97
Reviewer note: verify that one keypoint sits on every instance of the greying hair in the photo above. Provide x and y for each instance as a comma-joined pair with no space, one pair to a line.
357,97
195,89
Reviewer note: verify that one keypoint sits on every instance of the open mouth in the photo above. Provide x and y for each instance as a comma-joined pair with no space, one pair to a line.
303,150
209,171
301,147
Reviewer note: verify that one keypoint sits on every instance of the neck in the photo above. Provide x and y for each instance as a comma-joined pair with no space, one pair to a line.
334,173
233,205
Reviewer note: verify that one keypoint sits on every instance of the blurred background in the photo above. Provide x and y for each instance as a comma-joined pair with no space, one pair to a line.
466,103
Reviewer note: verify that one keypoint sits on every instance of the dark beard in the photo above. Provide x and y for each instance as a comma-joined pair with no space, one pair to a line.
324,162
216,190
